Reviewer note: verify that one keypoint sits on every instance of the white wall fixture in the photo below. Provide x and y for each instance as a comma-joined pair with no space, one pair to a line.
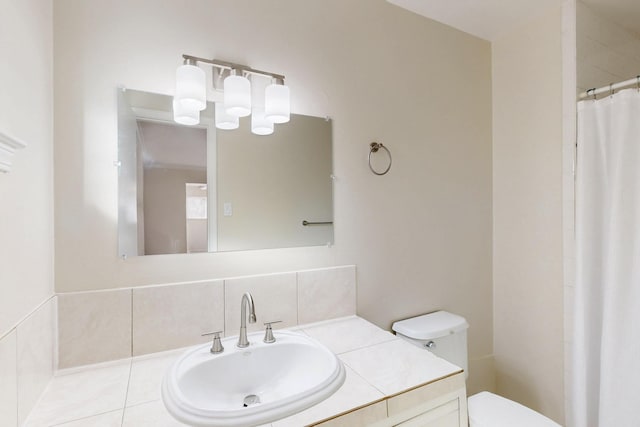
224,120
185,113
233,80
191,88
237,94
8,147
276,102
260,124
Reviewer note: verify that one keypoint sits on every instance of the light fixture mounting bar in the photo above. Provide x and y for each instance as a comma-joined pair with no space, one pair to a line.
224,65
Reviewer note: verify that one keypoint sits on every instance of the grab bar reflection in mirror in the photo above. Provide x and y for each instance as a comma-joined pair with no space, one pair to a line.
307,223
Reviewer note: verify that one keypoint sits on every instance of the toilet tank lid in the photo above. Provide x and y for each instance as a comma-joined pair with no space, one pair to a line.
430,326
488,409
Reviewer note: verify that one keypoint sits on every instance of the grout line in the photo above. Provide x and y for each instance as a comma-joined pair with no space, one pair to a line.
222,279
26,316
131,329
391,339
297,298
17,391
363,378
56,335
126,395
37,404
146,402
224,308
84,418
53,356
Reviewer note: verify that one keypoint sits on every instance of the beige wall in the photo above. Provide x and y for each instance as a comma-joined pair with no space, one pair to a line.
255,176
165,221
26,215
527,209
197,228
26,193
420,235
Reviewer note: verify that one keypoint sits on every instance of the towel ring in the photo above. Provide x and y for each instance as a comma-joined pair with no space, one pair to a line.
375,146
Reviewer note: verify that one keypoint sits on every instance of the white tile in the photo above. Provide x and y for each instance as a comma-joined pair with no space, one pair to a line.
168,317
396,366
151,414
8,382
35,357
274,296
82,394
354,392
146,378
326,294
110,419
349,334
94,327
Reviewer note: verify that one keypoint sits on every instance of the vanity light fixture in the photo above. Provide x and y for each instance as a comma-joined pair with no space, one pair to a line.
224,120
233,80
276,102
191,88
185,114
237,94
260,125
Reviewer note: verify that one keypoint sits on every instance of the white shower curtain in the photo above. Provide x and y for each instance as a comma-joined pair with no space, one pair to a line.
605,368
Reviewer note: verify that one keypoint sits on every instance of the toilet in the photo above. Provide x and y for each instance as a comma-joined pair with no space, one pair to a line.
445,335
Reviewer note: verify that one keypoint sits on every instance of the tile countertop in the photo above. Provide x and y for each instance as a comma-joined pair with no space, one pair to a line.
378,365
127,392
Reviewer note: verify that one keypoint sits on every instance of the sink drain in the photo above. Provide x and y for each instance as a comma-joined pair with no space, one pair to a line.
251,400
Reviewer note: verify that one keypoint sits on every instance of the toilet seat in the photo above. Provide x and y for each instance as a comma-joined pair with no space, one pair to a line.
490,410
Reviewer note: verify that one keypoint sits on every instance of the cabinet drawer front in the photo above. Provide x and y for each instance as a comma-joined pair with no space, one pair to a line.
442,416
361,417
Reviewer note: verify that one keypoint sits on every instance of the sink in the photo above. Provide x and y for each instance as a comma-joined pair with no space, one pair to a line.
251,386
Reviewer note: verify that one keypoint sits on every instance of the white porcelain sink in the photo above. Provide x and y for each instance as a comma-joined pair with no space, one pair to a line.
292,374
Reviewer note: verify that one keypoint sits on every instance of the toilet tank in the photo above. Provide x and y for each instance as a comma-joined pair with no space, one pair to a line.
441,332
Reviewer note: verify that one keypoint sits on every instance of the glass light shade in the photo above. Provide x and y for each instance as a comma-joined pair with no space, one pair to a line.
191,87
185,114
276,103
260,125
237,96
224,120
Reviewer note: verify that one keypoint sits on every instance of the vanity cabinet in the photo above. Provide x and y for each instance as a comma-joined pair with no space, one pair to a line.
442,403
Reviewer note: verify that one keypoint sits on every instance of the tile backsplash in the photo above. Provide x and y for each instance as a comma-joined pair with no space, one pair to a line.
275,298
166,317
26,363
9,383
106,325
94,327
35,340
316,304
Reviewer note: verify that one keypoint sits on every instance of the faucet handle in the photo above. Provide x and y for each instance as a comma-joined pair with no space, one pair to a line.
216,347
268,333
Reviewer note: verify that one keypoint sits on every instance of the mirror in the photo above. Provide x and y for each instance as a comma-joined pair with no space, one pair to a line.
189,189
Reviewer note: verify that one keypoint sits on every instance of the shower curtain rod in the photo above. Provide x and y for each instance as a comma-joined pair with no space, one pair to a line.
612,87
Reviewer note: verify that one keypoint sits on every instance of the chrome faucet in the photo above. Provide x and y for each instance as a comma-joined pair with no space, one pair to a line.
247,301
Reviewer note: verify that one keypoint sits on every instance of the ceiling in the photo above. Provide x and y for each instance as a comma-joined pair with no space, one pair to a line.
169,145
487,19
490,19
625,13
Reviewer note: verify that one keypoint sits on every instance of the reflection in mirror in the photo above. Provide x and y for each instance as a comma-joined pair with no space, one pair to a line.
185,189
171,179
